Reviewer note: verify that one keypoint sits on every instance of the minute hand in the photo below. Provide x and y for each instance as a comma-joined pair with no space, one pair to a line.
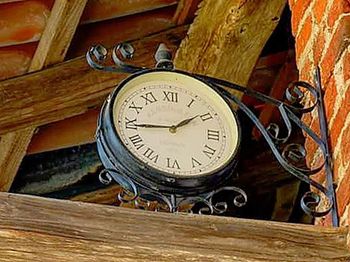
152,126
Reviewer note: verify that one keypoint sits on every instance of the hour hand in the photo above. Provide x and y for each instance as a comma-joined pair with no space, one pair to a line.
186,121
152,126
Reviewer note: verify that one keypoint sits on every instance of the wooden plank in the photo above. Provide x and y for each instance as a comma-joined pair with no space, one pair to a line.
16,59
99,10
24,21
223,39
39,229
52,48
70,88
185,11
74,131
124,29
102,196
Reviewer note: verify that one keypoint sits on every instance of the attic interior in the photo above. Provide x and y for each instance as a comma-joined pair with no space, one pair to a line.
60,159
72,172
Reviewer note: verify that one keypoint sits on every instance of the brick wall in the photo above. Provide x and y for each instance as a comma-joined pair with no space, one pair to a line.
322,32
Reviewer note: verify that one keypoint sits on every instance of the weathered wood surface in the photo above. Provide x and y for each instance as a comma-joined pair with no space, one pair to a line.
39,229
185,11
226,38
52,49
70,88
99,10
74,131
126,28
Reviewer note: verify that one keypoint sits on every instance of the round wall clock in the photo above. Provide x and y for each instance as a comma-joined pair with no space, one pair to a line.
168,132
171,136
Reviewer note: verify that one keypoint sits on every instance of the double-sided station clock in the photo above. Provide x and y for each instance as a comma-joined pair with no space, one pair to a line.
172,136
169,132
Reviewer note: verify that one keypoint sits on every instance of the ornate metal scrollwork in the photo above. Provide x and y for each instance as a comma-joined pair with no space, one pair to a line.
290,155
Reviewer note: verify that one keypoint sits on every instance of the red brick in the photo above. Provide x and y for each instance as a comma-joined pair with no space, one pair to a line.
320,177
345,218
319,46
298,10
325,221
346,65
345,147
330,96
338,8
310,146
336,170
303,36
304,73
336,46
319,9
340,118
291,3
343,193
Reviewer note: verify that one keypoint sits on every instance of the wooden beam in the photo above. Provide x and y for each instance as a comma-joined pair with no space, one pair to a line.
124,29
39,229
52,48
97,10
185,11
70,88
223,39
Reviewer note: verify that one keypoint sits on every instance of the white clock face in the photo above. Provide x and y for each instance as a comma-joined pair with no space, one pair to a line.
175,124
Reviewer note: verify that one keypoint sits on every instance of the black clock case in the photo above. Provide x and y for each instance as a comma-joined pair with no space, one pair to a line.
127,169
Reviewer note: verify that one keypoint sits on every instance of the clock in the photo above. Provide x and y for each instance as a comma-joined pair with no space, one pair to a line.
169,132
171,136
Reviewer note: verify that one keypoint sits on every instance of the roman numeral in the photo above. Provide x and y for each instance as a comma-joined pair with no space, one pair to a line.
135,107
170,96
208,151
190,103
195,162
206,117
149,98
213,135
130,124
171,164
136,140
149,153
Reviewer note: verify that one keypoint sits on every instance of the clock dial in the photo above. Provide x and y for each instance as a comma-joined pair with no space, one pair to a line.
175,124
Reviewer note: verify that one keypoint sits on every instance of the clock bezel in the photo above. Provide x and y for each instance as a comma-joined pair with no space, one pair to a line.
147,176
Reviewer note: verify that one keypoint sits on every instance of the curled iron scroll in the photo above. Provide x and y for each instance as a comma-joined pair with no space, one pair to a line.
97,58
307,202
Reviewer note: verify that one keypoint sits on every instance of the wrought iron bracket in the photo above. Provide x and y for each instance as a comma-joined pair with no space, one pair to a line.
287,154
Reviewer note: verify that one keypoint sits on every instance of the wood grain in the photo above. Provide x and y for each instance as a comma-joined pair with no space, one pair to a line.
223,39
99,10
185,11
52,48
126,28
70,88
39,229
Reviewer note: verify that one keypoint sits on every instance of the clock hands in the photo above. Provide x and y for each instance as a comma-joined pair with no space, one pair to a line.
152,126
171,128
186,121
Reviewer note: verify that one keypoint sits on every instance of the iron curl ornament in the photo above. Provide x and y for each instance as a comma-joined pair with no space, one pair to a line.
291,114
